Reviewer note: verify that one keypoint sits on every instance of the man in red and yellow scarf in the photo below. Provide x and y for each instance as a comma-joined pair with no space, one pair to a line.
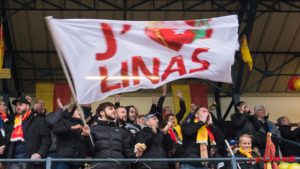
199,136
28,135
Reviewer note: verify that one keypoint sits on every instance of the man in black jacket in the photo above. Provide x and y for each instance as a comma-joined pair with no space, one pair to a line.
157,143
286,131
27,136
194,139
108,138
245,122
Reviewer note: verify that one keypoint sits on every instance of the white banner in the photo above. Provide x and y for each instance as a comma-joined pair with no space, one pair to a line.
106,57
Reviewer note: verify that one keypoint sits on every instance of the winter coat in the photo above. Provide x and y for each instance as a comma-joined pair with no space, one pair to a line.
190,147
68,142
247,124
293,135
157,145
36,135
110,141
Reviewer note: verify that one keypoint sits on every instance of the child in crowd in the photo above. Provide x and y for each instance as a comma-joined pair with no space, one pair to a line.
245,150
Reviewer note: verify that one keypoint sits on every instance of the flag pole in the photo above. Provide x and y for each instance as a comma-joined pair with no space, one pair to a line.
66,72
232,154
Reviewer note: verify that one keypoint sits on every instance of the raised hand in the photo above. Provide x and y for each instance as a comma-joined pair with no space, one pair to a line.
117,98
179,94
75,127
154,100
209,119
2,148
193,107
86,131
164,90
59,104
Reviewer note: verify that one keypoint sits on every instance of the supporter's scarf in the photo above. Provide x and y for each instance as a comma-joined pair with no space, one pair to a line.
248,153
3,116
204,133
175,133
17,134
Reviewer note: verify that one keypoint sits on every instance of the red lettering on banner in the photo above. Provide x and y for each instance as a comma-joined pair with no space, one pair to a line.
105,87
205,64
110,43
137,62
124,73
126,28
176,64
180,67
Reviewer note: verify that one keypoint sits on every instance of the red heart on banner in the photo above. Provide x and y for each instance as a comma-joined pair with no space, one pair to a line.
171,38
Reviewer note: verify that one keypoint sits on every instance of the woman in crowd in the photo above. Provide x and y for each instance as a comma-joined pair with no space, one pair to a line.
68,135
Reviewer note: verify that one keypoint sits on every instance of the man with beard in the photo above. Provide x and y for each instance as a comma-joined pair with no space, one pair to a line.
27,136
109,139
131,123
131,115
121,114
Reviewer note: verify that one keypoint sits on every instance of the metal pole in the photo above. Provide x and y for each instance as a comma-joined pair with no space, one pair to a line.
48,163
233,162
67,74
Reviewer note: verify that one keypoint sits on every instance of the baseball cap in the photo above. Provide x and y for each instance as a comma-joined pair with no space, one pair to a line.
150,115
21,99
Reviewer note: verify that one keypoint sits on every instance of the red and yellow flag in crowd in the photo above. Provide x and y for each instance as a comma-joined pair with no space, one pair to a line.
192,94
49,92
270,153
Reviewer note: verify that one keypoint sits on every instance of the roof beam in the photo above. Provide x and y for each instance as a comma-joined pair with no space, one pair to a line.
216,6
252,52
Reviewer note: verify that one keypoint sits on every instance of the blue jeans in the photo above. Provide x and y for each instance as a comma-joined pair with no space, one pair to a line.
189,166
63,166
53,155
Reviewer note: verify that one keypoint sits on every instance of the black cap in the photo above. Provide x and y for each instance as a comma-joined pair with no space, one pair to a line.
21,99
150,115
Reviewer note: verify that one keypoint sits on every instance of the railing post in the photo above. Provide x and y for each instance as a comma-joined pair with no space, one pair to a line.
233,162
48,163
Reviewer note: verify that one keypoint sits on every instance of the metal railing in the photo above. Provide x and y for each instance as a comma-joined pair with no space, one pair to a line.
49,161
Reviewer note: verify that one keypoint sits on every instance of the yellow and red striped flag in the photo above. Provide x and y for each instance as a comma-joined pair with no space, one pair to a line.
1,46
270,153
